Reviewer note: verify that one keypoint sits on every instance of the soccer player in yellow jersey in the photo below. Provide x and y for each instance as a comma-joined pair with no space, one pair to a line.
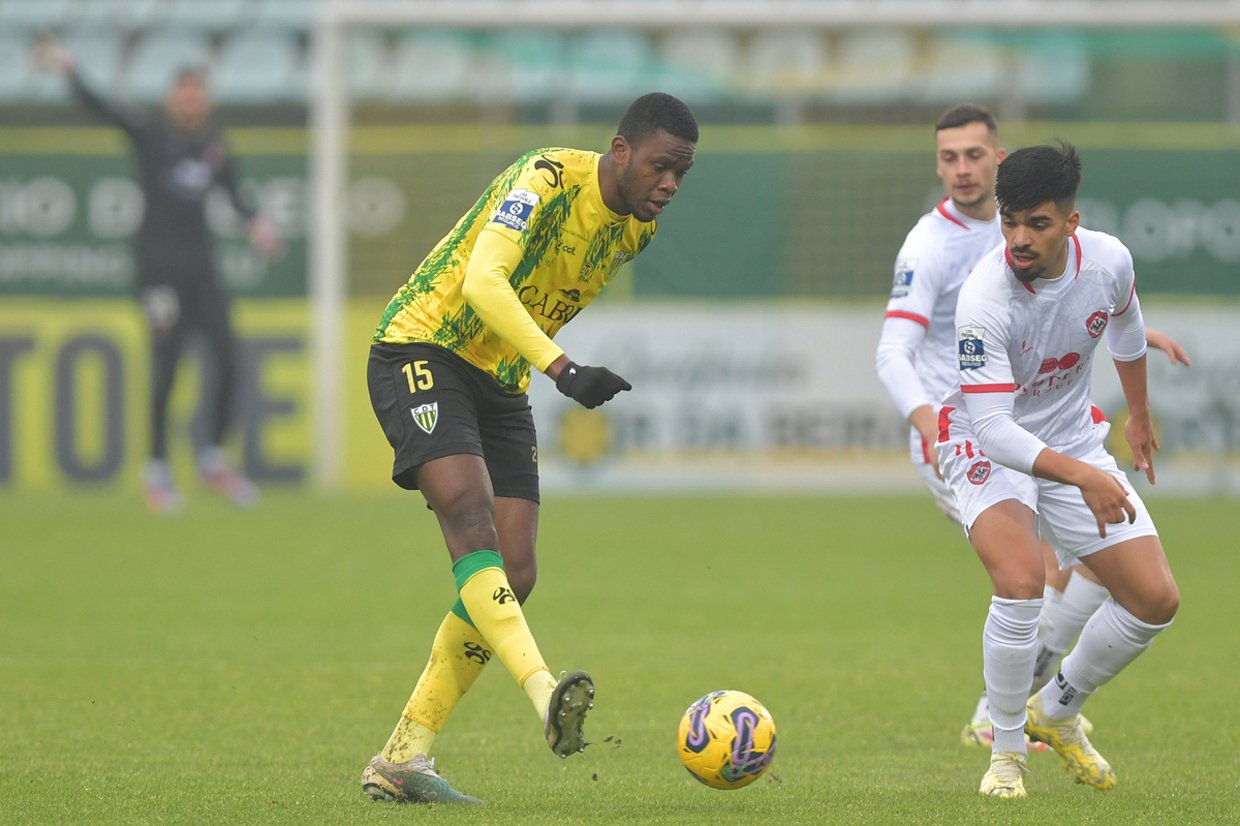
448,371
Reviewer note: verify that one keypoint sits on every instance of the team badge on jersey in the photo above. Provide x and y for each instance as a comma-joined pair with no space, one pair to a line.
971,349
515,212
1096,323
979,472
903,281
426,416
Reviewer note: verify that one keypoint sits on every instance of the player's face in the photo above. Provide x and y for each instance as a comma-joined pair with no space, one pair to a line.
1037,239
966,160
650,172
188,103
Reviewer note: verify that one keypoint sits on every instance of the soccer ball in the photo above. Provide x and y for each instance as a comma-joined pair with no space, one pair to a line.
727,739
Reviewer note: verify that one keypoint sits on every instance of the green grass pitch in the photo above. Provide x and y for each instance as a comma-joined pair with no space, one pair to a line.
242,667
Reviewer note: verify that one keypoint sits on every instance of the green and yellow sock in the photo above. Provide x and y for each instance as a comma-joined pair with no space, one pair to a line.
488,599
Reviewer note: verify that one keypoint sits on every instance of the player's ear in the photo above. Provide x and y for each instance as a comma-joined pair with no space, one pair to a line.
620,149
1000,154
1074,221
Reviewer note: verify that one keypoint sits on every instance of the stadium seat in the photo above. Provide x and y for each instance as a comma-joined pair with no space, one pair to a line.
18,16
14,66
958,67
290,15
522,65
434,66
874,67
784,62
366,55
607,65
207,15
258,66
157,58
100,15
697,64
1054,69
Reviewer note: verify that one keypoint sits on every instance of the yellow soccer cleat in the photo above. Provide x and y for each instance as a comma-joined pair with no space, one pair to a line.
1069,741
1006,776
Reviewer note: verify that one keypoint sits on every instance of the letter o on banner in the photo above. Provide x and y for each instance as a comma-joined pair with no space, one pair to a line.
68,405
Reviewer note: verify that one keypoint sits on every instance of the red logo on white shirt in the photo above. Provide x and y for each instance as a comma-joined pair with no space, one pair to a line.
1096,324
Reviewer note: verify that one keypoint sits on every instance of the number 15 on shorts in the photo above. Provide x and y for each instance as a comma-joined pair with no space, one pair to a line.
418,375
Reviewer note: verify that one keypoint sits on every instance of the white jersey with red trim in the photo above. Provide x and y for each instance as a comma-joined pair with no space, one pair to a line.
915,358
1025,351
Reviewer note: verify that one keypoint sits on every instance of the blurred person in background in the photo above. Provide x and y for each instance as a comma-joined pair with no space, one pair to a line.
181,155
448,372
916,357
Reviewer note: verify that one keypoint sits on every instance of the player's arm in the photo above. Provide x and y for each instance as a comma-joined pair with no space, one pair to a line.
55,57
1126,341
895,361
1161,341
264,237
488,290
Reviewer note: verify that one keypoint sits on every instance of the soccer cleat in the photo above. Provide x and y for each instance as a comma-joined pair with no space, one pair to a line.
232,486
1068,740
979,735
572,698
1006,776
413,782
163,499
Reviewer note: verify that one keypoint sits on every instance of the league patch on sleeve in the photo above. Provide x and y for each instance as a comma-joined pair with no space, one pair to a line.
516,209
971,350
903,280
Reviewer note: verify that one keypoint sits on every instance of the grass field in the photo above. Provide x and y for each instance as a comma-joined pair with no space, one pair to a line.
229,667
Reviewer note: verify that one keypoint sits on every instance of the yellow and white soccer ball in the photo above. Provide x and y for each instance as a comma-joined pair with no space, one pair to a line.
726,739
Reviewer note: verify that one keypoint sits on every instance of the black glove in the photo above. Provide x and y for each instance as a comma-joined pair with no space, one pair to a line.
589,386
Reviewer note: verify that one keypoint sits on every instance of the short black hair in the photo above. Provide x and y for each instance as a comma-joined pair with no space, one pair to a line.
962,114
1037,174
658,110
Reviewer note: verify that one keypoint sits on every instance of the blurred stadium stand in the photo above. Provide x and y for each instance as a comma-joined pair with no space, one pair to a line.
260,50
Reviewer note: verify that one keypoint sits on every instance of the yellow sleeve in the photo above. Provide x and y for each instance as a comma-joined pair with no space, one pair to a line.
486,288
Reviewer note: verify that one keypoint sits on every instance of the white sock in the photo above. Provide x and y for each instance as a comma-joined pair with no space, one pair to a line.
1062,623
157,472
981,714
1081,598
1112,638
1009,645
211,459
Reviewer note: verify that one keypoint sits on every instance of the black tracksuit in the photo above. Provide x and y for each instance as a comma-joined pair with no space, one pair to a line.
177,170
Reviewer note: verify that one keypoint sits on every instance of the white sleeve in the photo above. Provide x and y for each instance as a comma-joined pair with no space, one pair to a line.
895,362
914,292
987,383
1000,437
1126,332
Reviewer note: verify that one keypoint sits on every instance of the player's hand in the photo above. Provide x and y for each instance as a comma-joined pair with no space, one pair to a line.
1107,500
589,386
162,308
265,238
1139,431
51,56
1161,341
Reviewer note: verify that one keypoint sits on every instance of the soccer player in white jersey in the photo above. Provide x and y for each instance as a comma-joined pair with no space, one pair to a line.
916,353
1022,451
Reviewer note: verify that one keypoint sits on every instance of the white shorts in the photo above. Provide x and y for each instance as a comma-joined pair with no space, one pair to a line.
939,490
1064,519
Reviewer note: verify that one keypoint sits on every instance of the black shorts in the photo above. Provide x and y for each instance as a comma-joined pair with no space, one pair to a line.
432,403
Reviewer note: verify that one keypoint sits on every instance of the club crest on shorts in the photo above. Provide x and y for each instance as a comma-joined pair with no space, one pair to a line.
426,416
979,472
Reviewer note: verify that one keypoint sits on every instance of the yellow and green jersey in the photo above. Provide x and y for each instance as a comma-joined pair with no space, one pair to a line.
571,245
